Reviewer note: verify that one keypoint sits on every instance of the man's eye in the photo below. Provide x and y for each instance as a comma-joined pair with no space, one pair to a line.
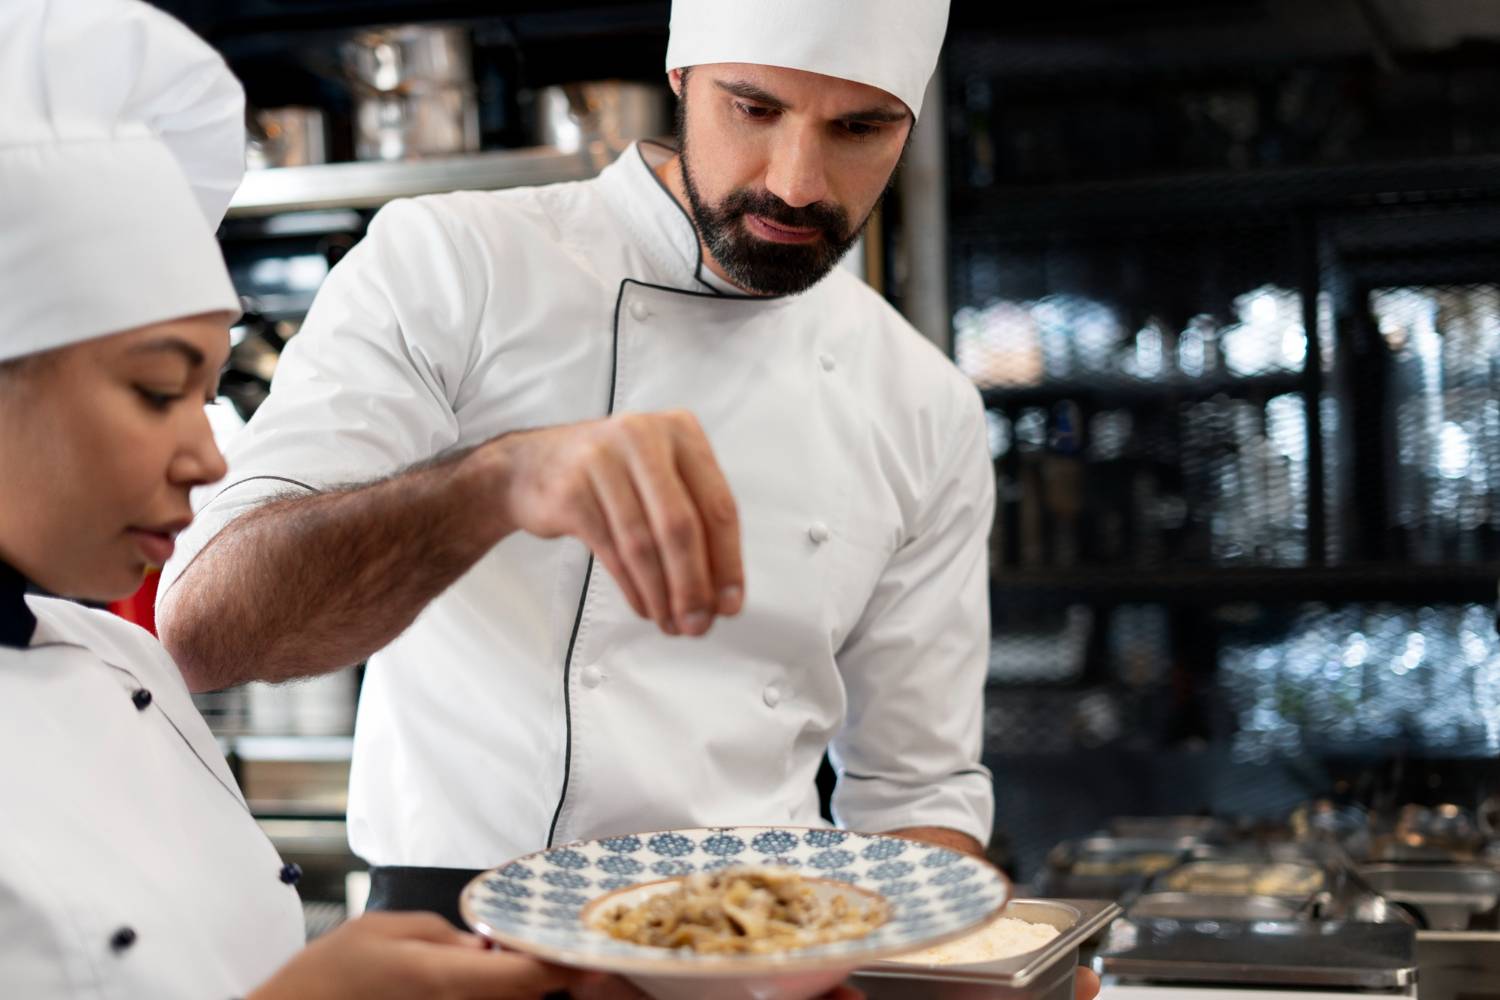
755,111
157,400
861,130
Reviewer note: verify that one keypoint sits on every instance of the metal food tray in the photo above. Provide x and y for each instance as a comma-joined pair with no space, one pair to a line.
1239,878
1044,974
1311,954
1066,856
1206,906
1209,829
1443,897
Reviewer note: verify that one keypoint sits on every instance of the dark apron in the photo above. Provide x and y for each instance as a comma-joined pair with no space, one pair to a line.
434,890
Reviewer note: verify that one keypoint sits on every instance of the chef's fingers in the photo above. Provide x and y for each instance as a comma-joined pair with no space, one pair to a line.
675,520
427,927
1085,984
721,516
499,975
628,547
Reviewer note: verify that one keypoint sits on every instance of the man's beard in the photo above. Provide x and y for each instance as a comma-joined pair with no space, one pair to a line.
759,265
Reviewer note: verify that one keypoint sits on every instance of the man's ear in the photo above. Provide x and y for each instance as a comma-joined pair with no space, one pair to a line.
674,79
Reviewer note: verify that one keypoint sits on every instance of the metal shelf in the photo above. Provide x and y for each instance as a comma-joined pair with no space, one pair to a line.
1437,584
311,749
1107,391
1260,193
369,185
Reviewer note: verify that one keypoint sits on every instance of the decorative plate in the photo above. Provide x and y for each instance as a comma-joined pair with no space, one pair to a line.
536,904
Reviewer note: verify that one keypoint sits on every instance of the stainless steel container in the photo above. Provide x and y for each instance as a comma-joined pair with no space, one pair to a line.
1110,867
612,112
1294,880
1443,897
1334,954
411,125
1120,855
1044,974
1207,829
1204,906
286,137
413,92
1458,964
403,56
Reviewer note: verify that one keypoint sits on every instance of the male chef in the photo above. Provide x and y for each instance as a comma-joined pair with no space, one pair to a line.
634,501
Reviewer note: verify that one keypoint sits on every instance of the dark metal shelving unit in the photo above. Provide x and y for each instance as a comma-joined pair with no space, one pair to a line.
1144,720
1124,391
1442,584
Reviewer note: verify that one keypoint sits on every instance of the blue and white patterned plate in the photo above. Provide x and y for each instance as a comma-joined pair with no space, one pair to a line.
537,903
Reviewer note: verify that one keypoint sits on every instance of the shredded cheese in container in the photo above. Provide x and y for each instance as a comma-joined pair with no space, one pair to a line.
1003,938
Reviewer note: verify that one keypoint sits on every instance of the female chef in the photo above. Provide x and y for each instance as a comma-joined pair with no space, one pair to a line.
129,864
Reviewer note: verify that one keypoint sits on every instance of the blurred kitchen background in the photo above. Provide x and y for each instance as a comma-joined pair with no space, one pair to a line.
1227,273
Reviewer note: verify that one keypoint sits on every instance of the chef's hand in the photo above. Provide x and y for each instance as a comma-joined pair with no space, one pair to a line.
412,956
619,989
1085,984
645,493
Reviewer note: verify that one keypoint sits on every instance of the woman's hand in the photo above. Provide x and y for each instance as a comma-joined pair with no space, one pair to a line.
416,956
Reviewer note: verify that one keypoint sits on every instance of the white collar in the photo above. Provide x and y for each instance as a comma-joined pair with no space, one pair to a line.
652,212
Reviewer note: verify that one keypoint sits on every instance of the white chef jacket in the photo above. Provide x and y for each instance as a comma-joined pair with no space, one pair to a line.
130,868
528,704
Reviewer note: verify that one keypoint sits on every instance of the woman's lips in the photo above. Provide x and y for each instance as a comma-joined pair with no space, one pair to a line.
156,546
777,233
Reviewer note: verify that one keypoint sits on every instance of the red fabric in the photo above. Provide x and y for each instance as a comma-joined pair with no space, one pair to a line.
140,607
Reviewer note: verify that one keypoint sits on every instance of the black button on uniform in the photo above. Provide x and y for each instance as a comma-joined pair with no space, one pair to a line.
291,873
142,698
122,938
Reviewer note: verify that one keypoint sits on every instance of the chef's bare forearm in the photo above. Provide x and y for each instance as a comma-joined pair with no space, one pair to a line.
305,585
942,837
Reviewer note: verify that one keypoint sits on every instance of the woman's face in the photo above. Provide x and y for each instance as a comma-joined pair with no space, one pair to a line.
99,445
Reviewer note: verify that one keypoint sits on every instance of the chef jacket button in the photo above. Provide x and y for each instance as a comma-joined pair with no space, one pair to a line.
818,532
122,939
771,696
591,676
640,311
291,873
826,360
142,698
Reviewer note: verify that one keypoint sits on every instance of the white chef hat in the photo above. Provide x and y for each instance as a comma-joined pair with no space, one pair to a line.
121,142
890,44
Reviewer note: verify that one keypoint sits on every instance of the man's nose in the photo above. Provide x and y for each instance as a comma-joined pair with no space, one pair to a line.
798,173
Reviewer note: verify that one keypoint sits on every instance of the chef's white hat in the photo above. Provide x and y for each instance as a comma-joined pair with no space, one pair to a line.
890,44
121,142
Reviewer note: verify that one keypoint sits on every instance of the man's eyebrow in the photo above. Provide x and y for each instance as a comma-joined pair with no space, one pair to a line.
879,116
750,92
194,356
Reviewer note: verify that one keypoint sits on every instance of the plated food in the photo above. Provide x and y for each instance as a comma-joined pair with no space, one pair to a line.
742,911
553,903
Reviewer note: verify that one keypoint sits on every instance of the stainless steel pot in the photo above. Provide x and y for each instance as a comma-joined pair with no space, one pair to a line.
408,55
286,137
404,126
413,92
575,115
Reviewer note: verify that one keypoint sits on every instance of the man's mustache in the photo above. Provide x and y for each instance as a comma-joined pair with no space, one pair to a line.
831,220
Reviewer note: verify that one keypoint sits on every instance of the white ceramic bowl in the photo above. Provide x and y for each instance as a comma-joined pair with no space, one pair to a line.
541,904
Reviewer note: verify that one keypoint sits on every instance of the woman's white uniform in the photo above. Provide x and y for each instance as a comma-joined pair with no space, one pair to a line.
129,863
